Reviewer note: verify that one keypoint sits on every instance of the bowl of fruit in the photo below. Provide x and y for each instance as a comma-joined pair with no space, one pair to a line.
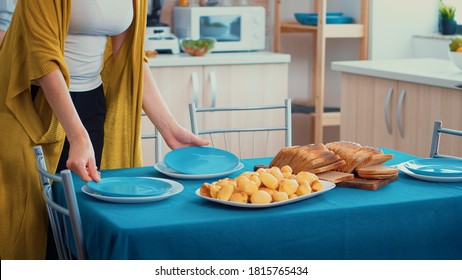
455,51
198,47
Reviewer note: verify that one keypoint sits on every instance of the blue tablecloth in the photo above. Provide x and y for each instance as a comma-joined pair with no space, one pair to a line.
407,219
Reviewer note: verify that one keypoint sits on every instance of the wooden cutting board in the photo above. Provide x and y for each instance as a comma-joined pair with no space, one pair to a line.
366,184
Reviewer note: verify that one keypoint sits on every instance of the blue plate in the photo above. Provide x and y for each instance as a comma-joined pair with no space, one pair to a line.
331,18
201,160
130,187
441,167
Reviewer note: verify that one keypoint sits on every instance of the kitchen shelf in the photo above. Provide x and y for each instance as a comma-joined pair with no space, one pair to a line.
322,32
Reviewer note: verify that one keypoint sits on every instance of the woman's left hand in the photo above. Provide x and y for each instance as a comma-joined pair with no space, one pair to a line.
179,137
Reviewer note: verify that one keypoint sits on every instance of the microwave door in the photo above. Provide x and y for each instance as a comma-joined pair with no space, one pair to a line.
224,28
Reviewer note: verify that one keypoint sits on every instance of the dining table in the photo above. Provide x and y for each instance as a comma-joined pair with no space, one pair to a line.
408,219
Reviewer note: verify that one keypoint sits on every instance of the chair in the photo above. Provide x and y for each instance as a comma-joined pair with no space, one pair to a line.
244,138
437,130
60,216
157,142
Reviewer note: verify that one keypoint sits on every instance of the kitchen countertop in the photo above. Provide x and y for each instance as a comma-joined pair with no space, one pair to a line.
427,71
182,59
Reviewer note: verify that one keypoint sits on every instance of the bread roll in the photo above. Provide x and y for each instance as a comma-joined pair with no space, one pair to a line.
261,197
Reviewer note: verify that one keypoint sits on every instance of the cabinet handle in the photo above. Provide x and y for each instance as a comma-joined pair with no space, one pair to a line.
213,88
195,87
400,112
387,110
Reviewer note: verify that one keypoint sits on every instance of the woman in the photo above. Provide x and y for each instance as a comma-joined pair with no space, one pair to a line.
55,65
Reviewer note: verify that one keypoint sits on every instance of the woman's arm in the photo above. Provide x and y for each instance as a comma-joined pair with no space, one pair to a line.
157,110
81,158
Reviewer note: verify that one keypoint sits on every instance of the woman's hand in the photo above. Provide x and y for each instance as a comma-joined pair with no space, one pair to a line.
81,160
179,137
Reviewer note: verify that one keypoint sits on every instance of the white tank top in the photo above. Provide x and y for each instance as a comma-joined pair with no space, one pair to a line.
92,21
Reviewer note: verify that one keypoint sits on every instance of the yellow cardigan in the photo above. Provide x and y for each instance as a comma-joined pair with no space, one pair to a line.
33,47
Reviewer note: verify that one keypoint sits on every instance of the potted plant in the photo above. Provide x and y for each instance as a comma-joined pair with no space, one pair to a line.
447,23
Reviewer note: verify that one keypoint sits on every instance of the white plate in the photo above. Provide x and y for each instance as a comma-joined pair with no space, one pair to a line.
327,186
175,189
406,171
164,169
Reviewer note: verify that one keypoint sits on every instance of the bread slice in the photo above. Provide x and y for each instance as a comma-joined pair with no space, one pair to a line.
366,155
281,155
329,167
307,153
377,177
347,151
377,169
321,161
335,176
375,159
353,158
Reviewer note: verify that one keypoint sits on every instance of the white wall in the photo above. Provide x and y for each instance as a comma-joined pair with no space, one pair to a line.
394,23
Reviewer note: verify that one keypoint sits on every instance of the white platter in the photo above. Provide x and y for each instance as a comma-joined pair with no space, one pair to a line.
406,171
327,186
175,189
164,169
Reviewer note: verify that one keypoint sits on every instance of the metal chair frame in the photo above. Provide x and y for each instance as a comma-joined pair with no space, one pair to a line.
194,110
59,215
157,142
437,130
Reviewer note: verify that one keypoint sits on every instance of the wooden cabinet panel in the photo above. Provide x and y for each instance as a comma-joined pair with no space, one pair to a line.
399,115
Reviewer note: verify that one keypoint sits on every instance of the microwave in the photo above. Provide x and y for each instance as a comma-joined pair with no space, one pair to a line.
234,28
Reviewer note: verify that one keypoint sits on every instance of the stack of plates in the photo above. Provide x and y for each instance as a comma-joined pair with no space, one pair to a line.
198,163
132,189
434,169
331,18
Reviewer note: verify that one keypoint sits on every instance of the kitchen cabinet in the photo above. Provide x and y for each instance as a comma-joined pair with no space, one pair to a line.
220,86
399,114
322,32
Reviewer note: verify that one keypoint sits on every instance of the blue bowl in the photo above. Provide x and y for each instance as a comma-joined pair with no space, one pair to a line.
331,18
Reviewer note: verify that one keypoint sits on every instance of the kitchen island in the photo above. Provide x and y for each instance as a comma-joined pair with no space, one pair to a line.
425,71
394,103
220,80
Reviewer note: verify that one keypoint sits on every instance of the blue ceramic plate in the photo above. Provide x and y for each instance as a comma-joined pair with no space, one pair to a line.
331,18
130,186
164,169
440,167
201,160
